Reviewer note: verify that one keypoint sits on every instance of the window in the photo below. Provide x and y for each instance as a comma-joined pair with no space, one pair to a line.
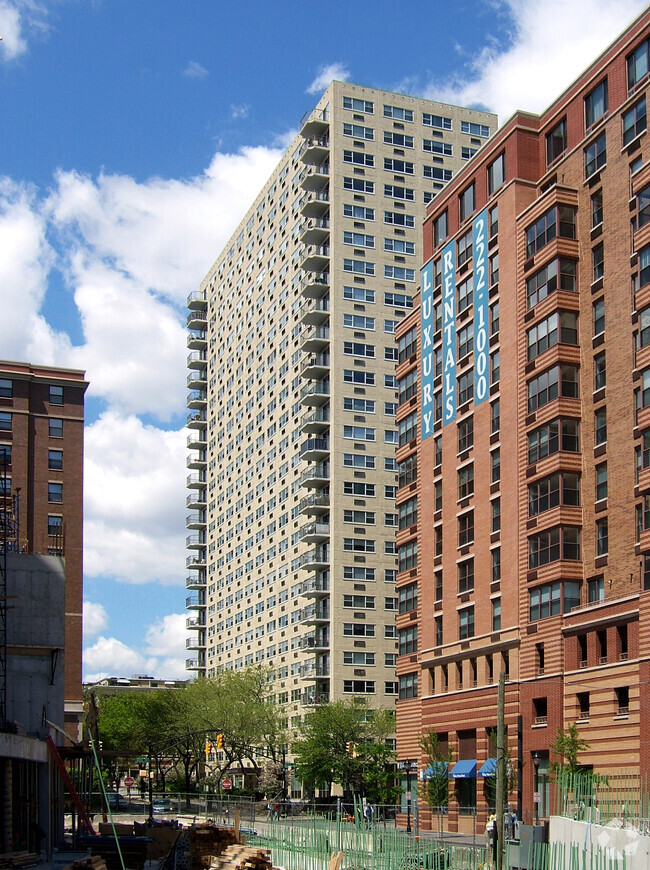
465,339
408,686
351,376
562,326
466,623
356,348
359,687
559,273
394,191
561,542
363,490
466,576
398,139
408,386
55,492
596,104
358,105
359,240
408,513
466,529
495,459
556,142
496,173
464,249
543,495
558,220
359,267
552,599
358,157
600,426
437,172
408,428
440,230
466,202
399,273
360,659
359,602
465,293
399,300
644,262
359,184
496,515
55,459
466,387
6,388
496,614
358,131
399,246
56,395
644,327
359,212
408,598
408,640
601,481
600,371
623,700
465,434
634,121
407,471
398,219
544,388
598,261
601,536
599,316
638,64
467,153
496,564
466,481
595,155
475,129
55,427
436,147
358,321
5,421
408,556
363,518
436,121
54,525
597,208
358,629
403,167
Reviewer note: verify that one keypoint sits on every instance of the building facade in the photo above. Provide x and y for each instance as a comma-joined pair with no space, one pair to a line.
524,399
41,479
292,559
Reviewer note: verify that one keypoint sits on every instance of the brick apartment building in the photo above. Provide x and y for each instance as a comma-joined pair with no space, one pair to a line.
524,448
41,466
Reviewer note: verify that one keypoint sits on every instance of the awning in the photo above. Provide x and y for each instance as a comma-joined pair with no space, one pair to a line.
439,768
488,768
464,769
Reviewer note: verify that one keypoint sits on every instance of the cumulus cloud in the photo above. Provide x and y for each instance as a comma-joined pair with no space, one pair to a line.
326,74
194,70
134,501
20,19
541,59
95,618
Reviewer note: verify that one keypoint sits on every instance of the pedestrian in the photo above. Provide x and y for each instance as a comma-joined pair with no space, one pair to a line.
269,811
367,813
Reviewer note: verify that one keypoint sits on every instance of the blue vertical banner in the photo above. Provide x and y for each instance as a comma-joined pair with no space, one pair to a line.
426,344
481,341
449,332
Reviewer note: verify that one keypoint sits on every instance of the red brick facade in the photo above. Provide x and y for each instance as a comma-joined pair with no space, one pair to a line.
532,522
41,431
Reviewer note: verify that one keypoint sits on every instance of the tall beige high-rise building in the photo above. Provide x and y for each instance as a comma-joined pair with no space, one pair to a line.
292,473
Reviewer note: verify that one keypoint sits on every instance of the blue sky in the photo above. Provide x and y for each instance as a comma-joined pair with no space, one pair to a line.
133,136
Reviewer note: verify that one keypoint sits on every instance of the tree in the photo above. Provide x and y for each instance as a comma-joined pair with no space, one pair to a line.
567,745
434,790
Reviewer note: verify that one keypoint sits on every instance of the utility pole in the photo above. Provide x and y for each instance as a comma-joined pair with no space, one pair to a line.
501,768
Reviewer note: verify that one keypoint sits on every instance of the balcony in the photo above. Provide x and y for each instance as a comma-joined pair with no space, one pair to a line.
197,440
315,176
313,613
316,422
314,669
195,542
315,285
315,449
317,559
197,359
196,562
316,640
196,460
315,339
315,310
197,339
197,399
192,582
198,379
194,665
316,149
315,533
316,587
196,520
315,231
196,500
196,480
197,420
195,602
315,258
195,642
316,477
315,204
197,320
311,699
316,367
315,124
197,300
195,622
315,504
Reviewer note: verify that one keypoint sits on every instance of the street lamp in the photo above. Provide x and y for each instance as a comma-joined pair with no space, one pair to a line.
408,767
536,796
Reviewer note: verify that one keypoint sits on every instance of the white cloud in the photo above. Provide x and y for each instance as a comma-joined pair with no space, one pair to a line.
542,58
326,74
95,619
134,487
240,111
194,70
110,657
165,639
13,42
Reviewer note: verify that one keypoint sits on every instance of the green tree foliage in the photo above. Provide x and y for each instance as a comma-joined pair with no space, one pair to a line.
567,745
345,743
434,790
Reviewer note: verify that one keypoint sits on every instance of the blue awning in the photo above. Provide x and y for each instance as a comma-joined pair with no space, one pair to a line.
464,769
488,768
436,769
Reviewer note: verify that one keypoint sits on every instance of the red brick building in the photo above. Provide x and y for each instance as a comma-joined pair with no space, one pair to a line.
524,451
41,482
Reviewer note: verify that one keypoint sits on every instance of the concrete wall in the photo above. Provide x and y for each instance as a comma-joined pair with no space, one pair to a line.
621,841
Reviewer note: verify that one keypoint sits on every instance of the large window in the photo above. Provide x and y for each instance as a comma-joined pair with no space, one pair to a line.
474,129
397,113
558,220
358,131
496,173
358,105
552,437
440,227
408,640
561,542
408,428
543,495
638,64
634,121
359,157
560,326
466,576
438,121
466,623
408,556
5,421
464,249
559,380
408,598
466,529
466,202
556,142
596,104
398,139
408,686
408,513
558,273
595,155
552,599
6,388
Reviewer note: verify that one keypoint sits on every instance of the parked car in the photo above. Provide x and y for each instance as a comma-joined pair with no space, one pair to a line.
161,806
116,801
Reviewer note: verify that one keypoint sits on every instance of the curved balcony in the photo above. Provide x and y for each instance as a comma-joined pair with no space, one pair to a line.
197,420
197,300
197,340
315,123
313,699
197,399
196,480
315,669
198,380
316,640
315,258
195,622
315,149
197,359
315,533
196,500
316,367
317,421
196,520
197,320
315,339
315,393
317,559
196,562
196,642
315,310
315,285
194,665
315,231
315,204
315,176
195,542
192,582
314,613
197,460
315,504
316,587
197,440
315,449
195,602
316,476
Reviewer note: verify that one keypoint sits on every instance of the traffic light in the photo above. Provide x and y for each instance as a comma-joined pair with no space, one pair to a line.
208,749
219,741
348,747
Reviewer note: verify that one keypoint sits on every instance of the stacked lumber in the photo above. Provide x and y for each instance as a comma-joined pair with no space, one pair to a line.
205,842
238,857
10,860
